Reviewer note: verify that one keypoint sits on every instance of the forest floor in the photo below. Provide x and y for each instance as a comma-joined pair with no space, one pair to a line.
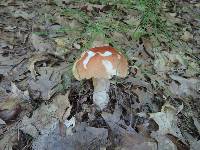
42,106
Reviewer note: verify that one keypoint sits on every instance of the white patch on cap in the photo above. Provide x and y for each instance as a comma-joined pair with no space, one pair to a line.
107,53
87,59
109,67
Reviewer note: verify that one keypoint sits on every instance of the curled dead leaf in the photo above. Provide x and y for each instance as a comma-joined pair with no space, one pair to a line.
34,59
10,108
10,115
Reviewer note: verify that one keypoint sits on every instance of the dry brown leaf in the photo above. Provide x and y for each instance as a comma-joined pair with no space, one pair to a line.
144,97
187,36
47,83
176,58
42,45
23,14
148,45
7,63
16,92
8,141
164,143
126,138
10,108
83,137
133,20
11,104
120,38
166,62
179,144
160,64
34,59
197,124
63,46
167,122
195,144
45,118
187,87
173,19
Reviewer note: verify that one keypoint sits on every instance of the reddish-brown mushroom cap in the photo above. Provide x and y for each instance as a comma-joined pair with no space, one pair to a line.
100,62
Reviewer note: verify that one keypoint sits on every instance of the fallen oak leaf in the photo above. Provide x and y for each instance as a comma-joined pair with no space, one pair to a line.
166,62
126,138
12,103
195,144
144,98
42,57
46,117
10,108
167,122
176,57
160,64
179,144
16,92
163,142
187,87
41,44
187,36
47,83
9,140
7,63
196,123
10,115
34,59
82,137
148,46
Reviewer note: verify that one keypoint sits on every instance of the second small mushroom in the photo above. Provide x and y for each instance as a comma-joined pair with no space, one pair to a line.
100,64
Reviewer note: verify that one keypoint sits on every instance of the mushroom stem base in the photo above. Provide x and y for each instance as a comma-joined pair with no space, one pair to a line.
100,95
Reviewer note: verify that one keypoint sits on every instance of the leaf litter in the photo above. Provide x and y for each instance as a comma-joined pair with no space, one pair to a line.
167,121
45,118
43,107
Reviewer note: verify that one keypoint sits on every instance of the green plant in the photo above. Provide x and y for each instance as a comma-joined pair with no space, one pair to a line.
111,21
151,23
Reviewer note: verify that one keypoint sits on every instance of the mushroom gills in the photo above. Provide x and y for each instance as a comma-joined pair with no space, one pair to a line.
100,95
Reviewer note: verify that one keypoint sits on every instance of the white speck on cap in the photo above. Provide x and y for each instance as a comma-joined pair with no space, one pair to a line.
107,53
109,67
87,59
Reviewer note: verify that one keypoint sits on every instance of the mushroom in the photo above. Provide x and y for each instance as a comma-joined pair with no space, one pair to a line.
100,64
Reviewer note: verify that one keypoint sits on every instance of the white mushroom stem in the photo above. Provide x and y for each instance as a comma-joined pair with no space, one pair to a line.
100,95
